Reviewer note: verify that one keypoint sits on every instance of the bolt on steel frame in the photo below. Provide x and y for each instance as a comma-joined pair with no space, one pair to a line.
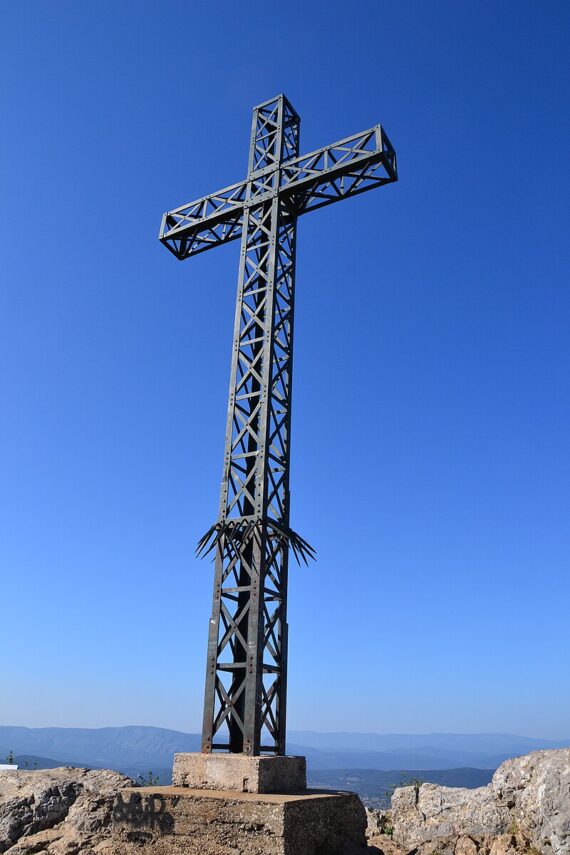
246,675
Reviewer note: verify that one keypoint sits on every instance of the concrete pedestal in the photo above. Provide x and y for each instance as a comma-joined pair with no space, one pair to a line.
182,821
267,774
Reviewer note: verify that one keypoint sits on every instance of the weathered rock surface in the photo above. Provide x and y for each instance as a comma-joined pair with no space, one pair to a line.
526,808
57,811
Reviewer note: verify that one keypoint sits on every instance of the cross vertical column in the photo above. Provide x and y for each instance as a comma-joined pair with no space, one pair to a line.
244,710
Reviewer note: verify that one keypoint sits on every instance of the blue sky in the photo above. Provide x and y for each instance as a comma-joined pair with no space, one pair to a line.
431,398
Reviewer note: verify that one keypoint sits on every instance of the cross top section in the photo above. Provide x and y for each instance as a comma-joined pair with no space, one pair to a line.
274,135
345,168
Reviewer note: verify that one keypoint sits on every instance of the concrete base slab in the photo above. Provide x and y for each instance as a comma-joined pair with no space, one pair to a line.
181,821
240,772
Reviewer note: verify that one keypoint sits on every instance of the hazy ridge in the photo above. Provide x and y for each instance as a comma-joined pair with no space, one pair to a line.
152,747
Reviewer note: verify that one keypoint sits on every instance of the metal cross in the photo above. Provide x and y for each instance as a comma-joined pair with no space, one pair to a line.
246,676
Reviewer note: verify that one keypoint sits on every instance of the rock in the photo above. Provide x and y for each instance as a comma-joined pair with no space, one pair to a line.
466,846
422,813
56,811
525,809
537,789
80,812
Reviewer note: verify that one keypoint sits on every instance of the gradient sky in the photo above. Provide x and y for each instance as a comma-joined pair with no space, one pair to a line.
431,457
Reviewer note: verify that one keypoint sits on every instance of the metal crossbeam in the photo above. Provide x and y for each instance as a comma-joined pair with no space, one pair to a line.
346,168
246,677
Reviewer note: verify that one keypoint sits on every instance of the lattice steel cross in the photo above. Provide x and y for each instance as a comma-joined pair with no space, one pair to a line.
244,709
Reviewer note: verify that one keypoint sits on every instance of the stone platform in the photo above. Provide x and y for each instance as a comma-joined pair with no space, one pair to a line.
240,772
184,821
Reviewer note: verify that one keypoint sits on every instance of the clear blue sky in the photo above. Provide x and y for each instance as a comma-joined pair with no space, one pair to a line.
431,403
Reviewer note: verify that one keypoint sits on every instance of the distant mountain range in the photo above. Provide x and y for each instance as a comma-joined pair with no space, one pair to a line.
375,787
137,749
476,743
106,747
412,751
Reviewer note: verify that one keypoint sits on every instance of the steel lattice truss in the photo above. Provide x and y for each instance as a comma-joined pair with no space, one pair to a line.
244,709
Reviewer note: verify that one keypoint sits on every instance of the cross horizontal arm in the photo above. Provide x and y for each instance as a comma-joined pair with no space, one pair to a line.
345,168
205,223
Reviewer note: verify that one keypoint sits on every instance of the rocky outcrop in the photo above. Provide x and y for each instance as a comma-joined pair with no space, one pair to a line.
81,812
536,788
57,811
526,808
